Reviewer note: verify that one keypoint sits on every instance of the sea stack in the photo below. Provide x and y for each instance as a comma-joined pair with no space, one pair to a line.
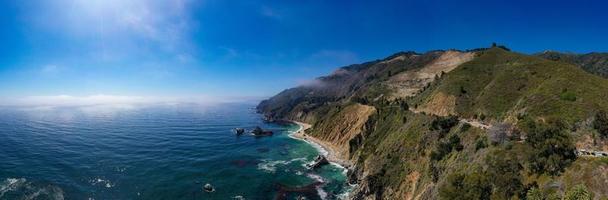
257,131
319,161
208,188
239,131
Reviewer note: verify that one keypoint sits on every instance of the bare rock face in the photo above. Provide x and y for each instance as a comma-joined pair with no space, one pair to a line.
411,82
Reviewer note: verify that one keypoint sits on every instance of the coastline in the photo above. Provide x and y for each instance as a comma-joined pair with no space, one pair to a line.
325,148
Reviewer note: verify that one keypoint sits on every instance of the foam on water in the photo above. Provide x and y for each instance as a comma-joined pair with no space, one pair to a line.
271,165
319,179
30,190
102,182
10,184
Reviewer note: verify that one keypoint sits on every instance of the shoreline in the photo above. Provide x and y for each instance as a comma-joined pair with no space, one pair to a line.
325,149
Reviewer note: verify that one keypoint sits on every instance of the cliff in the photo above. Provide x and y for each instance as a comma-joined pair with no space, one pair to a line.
482,124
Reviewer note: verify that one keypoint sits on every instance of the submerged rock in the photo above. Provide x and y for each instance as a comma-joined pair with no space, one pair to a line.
319,161
208,188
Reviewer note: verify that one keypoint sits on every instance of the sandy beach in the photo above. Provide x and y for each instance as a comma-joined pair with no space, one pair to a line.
327,149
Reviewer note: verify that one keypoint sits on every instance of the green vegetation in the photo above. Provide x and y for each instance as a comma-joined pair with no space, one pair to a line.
444,124
481,143
595,63
568,96
499,84
504,168
538,109
601,122
578,192
551,150
444,148
461,186
535,194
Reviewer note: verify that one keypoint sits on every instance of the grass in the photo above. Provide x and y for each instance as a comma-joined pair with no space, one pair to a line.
501,84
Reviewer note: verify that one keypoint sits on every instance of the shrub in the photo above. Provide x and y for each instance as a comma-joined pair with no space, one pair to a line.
578,192
444,124
445,148
462,90
601,122
480,143
552,149
568,96
504,168
535,194
465,127
466,186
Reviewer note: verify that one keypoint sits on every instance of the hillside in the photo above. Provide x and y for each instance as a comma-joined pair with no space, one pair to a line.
595,63
415,126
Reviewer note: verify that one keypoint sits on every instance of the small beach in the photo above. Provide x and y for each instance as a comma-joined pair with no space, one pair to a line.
326,149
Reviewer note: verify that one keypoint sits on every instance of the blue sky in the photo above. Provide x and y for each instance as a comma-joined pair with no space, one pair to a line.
221,49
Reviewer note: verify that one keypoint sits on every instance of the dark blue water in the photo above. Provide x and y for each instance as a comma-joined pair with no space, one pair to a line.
160,152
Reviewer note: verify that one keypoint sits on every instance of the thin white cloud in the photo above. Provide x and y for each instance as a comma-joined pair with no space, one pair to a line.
117,26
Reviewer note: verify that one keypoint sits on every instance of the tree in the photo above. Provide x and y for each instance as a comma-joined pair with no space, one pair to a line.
504,168
462,90
444,124
601,122
552,149
578,192
445,148
480,143
535,194
466,186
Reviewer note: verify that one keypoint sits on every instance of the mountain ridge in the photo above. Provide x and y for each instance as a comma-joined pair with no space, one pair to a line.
523,97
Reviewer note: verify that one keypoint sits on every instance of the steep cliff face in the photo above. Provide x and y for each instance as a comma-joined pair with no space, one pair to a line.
346,124
422,126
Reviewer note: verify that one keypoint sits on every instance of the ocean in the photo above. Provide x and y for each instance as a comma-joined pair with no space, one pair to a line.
156,152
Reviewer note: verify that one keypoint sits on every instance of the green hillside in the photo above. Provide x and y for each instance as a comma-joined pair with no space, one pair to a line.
501,84
424,146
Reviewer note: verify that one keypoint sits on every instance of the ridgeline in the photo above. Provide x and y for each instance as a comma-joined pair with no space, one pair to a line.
487,123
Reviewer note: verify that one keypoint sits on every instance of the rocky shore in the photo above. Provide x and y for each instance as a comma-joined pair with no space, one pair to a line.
328,150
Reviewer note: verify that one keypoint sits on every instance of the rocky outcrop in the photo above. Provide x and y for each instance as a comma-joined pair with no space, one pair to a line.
319,161
257,131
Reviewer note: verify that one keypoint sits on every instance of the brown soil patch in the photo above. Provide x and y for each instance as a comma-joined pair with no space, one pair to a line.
440,105
409,83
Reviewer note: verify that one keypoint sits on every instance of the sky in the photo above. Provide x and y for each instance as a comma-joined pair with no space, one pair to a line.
209,50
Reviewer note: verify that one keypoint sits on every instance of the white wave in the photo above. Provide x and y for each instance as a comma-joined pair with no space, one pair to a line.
53,192
320,190
34,192
271,165
103,182
11,184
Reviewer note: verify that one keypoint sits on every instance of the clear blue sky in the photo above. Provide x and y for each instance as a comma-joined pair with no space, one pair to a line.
257,48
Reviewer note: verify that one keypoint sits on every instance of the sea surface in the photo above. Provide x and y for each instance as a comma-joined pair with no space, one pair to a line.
155,152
